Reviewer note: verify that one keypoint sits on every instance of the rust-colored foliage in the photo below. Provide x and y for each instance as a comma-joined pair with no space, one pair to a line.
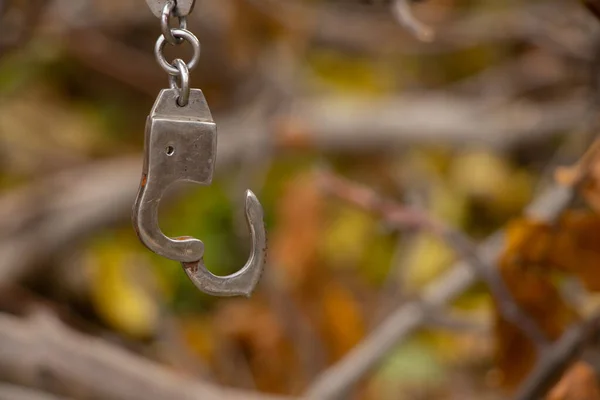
250,328
341,319
585,175
295,253
295,241
578,383
534,252
523,268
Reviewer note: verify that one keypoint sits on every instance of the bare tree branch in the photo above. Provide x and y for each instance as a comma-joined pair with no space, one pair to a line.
339,378
339,124
11,392
554,362
410,217
42,352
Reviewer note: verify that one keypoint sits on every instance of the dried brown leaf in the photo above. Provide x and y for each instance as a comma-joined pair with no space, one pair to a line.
585,175
251,327
296,239
534,252
578,383
576,248
342,320
526,268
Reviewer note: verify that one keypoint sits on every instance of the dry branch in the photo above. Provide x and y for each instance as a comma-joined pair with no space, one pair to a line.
341,377
402,217
557,359
339,124
11,392
42,352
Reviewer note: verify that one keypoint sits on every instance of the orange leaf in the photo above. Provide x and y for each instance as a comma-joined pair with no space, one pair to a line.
342,319
526,266
585,174
249,327
578,383
576,248
295,240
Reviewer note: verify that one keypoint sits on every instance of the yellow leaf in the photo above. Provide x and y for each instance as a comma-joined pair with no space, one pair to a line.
351,75
377,257
198,335
429,257
479,173
512,197
117,295
347,236
448,204
484,175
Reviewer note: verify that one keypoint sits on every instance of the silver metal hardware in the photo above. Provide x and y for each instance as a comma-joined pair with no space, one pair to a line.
178,34
184,78
181,145
167,12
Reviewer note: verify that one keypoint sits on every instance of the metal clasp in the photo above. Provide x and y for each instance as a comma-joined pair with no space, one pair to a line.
181,145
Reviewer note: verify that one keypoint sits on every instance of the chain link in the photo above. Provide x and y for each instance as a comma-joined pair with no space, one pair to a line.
184,79
167,13
178,34
178,70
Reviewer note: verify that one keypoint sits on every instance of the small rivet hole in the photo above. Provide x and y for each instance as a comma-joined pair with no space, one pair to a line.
170,150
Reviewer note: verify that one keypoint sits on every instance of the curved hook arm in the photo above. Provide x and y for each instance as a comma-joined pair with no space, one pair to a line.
243,282
145,221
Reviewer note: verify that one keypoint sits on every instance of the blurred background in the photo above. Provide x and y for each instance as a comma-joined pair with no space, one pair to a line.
421,243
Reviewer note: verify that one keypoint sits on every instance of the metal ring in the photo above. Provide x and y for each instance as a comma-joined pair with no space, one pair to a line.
184,77
178,34
167,13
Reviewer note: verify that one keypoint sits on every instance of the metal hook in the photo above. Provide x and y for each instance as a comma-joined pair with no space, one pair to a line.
180,145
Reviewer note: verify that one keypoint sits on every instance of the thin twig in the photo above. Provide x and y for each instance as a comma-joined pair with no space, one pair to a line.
410,217
403,13
442,320
392,291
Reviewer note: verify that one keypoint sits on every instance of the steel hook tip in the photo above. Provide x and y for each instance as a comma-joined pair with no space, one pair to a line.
243,282
181,146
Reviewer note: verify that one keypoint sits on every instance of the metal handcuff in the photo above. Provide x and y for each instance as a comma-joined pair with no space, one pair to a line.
181,145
